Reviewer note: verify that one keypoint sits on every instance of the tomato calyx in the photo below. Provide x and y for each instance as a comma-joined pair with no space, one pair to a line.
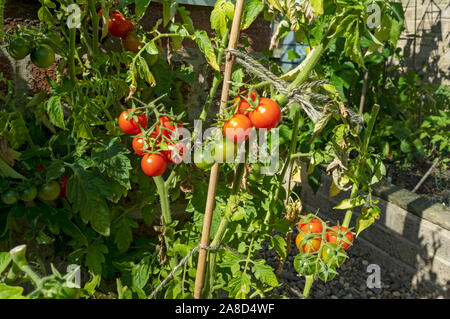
340,235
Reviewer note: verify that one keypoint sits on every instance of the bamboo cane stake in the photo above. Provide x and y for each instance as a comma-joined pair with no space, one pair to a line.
214,175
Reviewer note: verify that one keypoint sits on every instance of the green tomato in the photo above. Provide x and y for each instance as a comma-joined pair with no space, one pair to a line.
150,58
18,48
333,255
42,56
204,160
224,151
29,194
326,274
10,197
305,264
49,191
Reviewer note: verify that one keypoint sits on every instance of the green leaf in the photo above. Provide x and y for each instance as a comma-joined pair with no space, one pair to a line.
87,191
169,11
351,202
279,245
317,6
8,171
95,256
239,214
218,21
152,48
187,21
5,259
11,292
292,55
54,171
123,235
111,158
46,16
140,8
366,218
251,11
265,274
141,273
55,111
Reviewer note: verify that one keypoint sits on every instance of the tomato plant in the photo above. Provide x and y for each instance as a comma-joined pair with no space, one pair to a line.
92,185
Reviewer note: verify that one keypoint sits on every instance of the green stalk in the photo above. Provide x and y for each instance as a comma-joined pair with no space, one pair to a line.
309,65
349,212
292,148
2,9
359,169
231,206
95,20
71,58
162,192
308,284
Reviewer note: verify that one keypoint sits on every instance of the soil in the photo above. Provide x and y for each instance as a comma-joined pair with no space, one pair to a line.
436,187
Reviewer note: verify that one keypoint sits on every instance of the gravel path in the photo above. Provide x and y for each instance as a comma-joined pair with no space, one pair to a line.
350,283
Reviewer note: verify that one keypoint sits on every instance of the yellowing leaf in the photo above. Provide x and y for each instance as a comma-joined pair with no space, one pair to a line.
334,190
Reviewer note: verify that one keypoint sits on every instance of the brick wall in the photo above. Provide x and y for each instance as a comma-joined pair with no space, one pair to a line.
429,51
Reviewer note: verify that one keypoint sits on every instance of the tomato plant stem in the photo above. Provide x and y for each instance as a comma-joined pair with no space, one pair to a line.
349,212
165,209
2,8
308,284
95,21
71,57
292,148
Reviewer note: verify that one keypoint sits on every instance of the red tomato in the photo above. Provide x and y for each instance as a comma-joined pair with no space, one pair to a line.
131,26
334,235
153,164
267,115
40,168
132,43
238,128
314,226
311,246
139,145
170,127
63,185
118,26
130,126
243,104
177,153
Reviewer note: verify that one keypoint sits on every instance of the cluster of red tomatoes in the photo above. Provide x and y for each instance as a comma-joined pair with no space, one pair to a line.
314,229
119,26
265,115
157,147
332,253
46,192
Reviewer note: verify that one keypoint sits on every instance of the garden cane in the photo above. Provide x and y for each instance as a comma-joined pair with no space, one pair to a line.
232,44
